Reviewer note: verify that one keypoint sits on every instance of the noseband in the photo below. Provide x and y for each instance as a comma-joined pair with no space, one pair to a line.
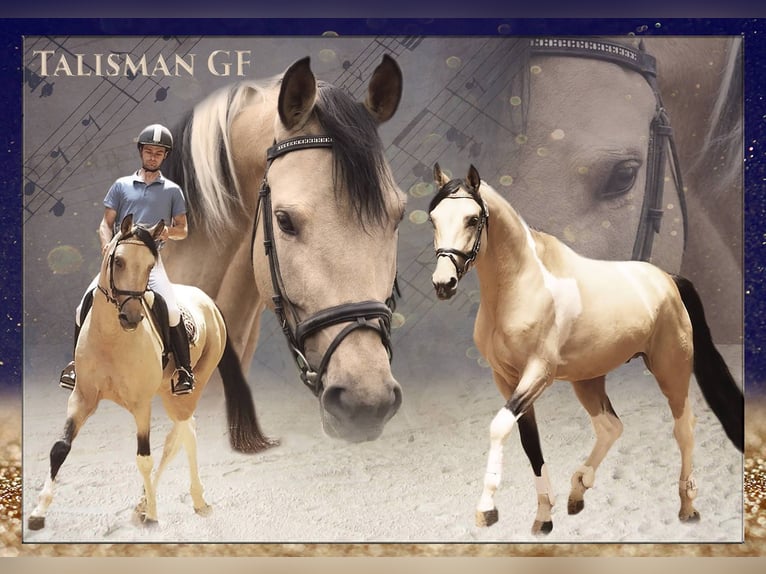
445,192
137,236
373,315
660,132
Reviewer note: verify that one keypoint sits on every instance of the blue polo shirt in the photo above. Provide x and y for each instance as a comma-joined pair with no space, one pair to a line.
161,199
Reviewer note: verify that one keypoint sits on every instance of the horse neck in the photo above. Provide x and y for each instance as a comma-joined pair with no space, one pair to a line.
506,247
103,314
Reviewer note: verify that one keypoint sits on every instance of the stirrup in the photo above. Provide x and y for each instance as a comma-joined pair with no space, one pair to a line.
68,376
184,383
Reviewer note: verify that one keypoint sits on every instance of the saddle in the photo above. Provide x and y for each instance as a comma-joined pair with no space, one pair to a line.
158,308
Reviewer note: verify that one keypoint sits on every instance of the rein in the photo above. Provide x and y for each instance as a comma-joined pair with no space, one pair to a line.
373,315
661,140
143,237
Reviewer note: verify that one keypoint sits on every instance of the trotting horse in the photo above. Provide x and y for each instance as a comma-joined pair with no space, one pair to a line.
548,313
292,203
119,358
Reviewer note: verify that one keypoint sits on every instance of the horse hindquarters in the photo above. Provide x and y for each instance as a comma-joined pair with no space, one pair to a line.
713,376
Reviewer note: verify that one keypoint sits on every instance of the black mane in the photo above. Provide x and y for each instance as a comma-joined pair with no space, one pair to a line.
360,160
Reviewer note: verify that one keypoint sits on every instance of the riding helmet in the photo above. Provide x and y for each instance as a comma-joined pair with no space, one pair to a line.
156,134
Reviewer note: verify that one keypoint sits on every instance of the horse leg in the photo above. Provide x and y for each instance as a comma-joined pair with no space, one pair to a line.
79,408
170,449
146,510
536,377
608,428
683,431
189,439
673,373
530,442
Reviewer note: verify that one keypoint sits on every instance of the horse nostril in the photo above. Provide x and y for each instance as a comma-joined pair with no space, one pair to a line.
452,283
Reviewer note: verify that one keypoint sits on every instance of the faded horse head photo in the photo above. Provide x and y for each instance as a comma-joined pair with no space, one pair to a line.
382,289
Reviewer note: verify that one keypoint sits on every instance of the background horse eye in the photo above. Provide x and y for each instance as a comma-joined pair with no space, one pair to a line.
621,179
285,223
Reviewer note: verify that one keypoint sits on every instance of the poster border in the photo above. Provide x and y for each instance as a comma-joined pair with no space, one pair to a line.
12,32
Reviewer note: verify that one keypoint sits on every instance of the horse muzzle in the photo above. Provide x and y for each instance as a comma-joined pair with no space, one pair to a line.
131,313
444,279
358,414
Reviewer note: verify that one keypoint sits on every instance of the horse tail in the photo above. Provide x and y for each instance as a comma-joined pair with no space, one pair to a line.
244,432
718,387
201,162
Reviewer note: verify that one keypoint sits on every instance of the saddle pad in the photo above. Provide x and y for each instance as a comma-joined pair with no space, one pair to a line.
190,325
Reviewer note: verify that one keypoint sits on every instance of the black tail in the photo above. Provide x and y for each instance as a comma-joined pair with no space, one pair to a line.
718,387
244,432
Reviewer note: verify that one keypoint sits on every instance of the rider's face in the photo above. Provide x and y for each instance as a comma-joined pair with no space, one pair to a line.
152,157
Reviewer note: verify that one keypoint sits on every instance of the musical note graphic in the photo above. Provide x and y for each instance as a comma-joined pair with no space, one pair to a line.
474,83
357,72
47,90
58,208
457,137
32,79
161,94
58,152
90,120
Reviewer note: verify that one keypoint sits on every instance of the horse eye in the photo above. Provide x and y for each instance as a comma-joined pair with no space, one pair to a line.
621,180
285,223
118,263
473,222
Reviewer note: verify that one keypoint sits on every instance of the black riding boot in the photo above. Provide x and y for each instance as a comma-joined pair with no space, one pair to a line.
67,379
184,383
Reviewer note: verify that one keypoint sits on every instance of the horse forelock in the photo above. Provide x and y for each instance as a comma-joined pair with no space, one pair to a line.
359,156
449,188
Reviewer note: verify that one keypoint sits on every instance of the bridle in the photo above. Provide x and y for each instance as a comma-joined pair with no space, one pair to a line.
446,192
660,132
137,236
374,315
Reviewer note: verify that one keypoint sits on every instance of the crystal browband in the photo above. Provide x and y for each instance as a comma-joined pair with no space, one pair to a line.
594,48
299,142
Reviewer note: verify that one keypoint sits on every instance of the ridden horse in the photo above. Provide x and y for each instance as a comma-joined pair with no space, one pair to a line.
292,203
611,129
549,313
120,358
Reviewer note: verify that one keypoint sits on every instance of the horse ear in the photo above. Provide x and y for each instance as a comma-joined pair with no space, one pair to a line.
385,90
127,224
473,180
157,230
439,176
297,94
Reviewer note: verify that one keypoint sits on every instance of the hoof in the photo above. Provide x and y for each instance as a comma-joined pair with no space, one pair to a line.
575,506
486,517
542,527
36,522
142,519
693,517
206,510
149,522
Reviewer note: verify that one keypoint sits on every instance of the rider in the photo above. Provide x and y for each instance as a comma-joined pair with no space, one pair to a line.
149,196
